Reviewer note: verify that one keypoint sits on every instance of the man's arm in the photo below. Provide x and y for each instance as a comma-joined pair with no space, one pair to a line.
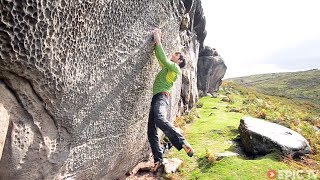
163,61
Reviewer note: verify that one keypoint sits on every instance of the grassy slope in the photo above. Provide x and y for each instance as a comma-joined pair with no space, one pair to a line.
212,133
303,85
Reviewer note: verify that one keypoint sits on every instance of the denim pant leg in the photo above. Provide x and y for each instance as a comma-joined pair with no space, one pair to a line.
157,118
153,137
160,113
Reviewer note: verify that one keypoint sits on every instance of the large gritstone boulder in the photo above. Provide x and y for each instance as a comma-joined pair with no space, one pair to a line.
260,137
211,69
76,80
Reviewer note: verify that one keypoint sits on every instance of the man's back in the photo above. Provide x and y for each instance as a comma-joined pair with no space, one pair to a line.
168,74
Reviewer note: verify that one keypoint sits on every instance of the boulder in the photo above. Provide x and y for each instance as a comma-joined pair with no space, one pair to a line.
77,79
211,69
260,137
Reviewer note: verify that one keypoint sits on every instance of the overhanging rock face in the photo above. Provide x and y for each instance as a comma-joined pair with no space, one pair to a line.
76,80
260,137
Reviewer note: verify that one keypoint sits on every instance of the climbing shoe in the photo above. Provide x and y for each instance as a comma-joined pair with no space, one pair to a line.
188,149
158,167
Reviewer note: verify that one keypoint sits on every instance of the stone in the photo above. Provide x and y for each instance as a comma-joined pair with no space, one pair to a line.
171,165
214,95
77,76
225,99
211,70
222,155
260,137
234,110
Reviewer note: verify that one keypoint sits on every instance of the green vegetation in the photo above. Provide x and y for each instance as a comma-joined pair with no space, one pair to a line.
215,124
303,85
301,116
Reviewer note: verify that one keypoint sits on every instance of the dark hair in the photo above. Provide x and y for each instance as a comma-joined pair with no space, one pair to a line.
183,63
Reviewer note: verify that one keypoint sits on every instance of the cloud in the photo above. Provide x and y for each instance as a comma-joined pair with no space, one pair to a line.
268,35
306,55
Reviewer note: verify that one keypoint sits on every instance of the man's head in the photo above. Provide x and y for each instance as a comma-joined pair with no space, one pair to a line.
178,59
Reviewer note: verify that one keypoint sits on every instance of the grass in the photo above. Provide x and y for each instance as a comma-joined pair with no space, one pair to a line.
301,116
215,128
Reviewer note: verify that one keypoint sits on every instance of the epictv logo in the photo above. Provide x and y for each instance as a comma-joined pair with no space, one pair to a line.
292,174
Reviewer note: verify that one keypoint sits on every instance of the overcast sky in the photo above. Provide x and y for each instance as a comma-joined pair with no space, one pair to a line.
264,36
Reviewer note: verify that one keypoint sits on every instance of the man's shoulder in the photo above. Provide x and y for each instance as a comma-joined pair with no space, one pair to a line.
177,68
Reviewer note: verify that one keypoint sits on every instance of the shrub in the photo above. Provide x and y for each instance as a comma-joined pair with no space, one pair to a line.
261,114
179,121
191,116
199,104
210,156
312,120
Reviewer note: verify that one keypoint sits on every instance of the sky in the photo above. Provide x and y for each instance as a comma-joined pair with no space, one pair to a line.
264,36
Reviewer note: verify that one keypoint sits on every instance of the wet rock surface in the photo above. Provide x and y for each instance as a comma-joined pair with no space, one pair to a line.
260,137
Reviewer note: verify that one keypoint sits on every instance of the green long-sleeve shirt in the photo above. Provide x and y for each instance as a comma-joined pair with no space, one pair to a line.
168,75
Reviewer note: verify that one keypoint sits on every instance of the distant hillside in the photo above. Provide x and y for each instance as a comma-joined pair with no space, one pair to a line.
304,85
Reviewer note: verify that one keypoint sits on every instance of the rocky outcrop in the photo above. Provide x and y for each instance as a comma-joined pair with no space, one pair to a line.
211,69
260,137
76,81
197,20
193,35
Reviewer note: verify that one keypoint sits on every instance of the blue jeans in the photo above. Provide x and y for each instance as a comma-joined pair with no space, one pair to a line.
157,118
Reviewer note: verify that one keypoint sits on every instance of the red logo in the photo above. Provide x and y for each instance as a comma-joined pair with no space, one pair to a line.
272,174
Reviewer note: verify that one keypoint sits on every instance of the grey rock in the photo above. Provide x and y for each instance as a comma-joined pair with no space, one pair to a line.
215,95
234,110
222,155
225,99
171,165
189,90
4,121
77,77
197,20
211,69
260,137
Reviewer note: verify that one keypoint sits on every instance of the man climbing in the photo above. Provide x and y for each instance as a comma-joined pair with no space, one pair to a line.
160,100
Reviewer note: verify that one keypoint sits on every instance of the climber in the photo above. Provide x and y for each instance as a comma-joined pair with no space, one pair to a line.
160,100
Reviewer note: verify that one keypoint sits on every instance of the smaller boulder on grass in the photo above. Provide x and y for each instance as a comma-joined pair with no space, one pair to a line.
226,99
260,137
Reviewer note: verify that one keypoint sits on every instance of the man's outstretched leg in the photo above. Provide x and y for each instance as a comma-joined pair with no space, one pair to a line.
159,116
